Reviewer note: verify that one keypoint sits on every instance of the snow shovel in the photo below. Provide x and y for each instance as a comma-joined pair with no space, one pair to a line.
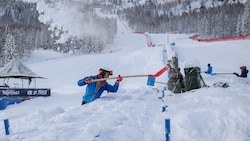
151,77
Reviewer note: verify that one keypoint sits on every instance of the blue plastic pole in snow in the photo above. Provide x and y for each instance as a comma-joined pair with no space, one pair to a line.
165,88
164,108
163,94
167,129
6,126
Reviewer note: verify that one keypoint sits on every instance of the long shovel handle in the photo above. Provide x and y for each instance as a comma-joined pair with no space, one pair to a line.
132,76
161,82
129,76
223,73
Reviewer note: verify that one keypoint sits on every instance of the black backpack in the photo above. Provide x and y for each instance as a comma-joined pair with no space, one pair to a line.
193,79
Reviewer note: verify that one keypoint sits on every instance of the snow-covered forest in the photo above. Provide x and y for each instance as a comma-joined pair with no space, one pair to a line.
209,19
25,24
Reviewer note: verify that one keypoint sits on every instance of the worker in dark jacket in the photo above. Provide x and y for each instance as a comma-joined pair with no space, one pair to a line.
176,81
244,72
94,88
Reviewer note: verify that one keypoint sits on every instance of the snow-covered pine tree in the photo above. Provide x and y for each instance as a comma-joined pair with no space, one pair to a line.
246,19
10,48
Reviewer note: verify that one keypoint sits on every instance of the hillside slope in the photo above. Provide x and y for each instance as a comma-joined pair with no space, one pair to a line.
134,113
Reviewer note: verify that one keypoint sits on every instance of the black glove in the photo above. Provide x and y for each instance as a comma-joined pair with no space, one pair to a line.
236,74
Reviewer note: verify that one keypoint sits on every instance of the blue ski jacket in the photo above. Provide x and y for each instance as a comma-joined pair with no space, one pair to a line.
95,89
209,70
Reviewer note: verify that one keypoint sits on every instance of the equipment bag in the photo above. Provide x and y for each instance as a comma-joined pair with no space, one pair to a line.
192,78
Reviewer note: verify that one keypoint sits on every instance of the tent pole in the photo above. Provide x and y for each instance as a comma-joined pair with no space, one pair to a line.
3,81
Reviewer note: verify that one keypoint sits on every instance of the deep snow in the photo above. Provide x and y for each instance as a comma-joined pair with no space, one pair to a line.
134,113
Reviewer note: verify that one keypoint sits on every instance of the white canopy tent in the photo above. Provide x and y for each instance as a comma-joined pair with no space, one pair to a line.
16,69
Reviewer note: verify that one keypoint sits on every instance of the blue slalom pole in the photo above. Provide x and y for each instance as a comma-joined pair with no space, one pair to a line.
164,108
165,88
167,129
163,94
6,126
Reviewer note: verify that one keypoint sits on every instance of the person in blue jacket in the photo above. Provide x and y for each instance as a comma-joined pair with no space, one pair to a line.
244,72
209,69
95,89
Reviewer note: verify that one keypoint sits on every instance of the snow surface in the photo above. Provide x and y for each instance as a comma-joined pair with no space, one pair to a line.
134,113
